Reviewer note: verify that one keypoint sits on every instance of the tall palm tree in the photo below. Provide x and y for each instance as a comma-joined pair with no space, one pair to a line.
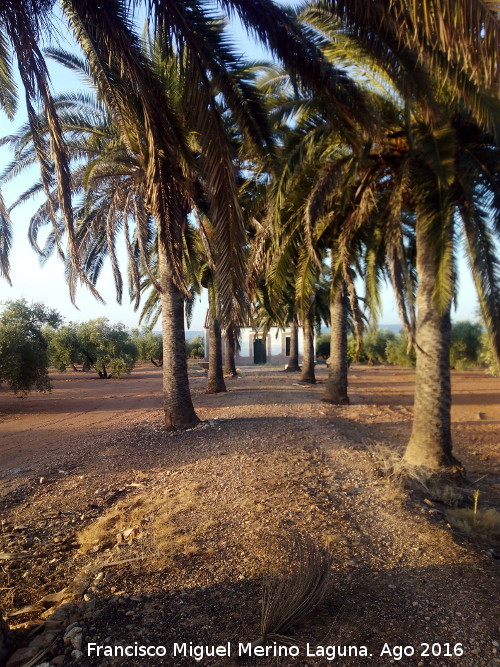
413,174
114,179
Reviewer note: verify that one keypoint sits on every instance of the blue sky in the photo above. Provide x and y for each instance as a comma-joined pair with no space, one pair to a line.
47,283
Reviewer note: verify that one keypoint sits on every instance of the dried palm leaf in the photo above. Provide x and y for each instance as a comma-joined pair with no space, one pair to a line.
289,598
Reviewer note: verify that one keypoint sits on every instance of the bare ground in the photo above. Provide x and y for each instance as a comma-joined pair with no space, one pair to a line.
89,477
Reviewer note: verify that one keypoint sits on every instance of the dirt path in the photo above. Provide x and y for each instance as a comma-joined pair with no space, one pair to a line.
270,459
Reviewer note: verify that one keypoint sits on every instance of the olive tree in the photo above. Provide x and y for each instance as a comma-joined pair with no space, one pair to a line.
24,330
106,348
149,346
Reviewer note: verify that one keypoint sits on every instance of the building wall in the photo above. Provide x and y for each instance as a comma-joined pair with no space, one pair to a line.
275,346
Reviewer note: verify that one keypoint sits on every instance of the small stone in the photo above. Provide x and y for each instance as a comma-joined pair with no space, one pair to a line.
77,641
70,627
127,533
42,480
495,643
59,660
69,635
130,613
76,654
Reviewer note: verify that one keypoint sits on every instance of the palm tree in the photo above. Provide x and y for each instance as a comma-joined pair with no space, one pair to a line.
411,175
438,145
115,181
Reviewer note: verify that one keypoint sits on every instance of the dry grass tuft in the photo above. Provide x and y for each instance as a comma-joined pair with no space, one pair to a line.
394,468
479,524
151,521
289,597
388,460
447,494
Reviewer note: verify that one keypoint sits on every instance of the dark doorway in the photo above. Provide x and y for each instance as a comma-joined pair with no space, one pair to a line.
259,351
287,346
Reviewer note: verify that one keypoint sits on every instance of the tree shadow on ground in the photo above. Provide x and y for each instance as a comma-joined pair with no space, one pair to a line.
441,605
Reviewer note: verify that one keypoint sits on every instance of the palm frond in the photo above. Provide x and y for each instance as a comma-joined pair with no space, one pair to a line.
5,240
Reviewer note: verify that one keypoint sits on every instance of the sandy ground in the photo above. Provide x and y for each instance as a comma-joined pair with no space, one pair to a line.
82,468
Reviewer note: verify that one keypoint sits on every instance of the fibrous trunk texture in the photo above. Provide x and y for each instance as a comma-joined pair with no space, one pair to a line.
177,403
307,374
229,362
215,382
293,359
430,442
336,384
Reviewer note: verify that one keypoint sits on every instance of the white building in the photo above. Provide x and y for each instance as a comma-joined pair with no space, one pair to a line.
274,349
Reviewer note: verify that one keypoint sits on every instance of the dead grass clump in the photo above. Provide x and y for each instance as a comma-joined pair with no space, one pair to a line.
447,494
394,468
418,478
152,519
388,460
289,597
482,524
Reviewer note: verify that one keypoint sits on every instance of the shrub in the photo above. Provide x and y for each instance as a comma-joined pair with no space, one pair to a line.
373,347
396,351
323,346
487,356
465,346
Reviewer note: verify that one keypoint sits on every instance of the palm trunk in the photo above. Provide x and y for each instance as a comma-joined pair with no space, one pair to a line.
177,403
229,362
216,382
336,384
430,441
307,374
293,359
